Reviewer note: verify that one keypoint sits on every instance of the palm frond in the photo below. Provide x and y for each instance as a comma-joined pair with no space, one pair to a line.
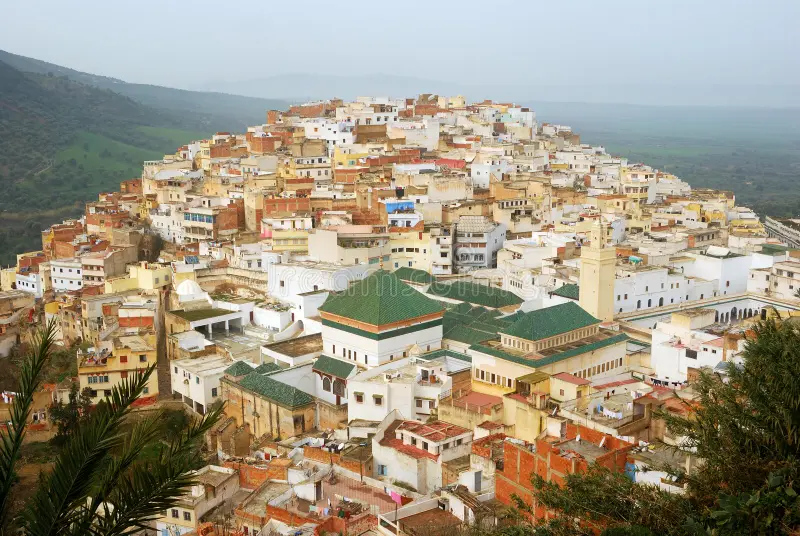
11,439
148,490
64,496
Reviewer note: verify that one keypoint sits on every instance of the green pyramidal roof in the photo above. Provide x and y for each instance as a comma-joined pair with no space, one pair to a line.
239,368
381,298
550,321
286,395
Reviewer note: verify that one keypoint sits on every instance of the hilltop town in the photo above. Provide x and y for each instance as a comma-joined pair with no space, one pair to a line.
407,307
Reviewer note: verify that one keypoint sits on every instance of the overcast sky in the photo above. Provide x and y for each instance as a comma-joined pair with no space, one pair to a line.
192,44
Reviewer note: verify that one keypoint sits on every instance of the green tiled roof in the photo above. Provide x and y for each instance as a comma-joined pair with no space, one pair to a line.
279,392
413,275
267,367
475,293
550,321
446,353
468,335
333,366
240,368
534,363
381,298
567,291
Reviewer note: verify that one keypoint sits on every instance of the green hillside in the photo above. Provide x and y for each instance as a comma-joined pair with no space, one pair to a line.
64,142
217,111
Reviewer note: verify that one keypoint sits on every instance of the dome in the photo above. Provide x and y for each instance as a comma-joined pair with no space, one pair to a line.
189,288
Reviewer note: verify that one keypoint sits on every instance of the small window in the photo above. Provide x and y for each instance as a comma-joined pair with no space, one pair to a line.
419,402
213,391
142,358
360,398
187,516
174,513
378,400
124,359
197,380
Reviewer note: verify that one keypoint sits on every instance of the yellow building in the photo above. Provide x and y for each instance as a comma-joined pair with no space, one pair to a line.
105,366
214,485
342,159
287,232
597,276
144,276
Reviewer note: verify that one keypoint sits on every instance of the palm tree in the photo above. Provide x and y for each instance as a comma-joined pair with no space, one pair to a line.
99,485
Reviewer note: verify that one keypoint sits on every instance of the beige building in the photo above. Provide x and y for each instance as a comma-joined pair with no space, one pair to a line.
598,264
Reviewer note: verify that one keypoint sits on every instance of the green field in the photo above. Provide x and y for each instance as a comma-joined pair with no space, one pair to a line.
90,164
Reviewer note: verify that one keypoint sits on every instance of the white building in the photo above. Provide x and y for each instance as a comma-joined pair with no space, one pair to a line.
379,319
684,343
478,239
31,282
66,274
411,386
412,452
197,380
728,270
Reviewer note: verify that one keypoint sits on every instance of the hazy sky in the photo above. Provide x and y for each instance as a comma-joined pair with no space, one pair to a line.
187,44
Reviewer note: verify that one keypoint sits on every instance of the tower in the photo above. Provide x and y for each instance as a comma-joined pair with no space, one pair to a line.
598,264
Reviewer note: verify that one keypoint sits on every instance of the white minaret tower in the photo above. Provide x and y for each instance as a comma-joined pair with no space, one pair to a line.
598,262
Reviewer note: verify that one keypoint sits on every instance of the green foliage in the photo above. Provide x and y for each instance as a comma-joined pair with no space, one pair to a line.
68,417
11,437
100,484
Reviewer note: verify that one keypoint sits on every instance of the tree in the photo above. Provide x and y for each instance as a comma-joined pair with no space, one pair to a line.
99,485
744,427
68,417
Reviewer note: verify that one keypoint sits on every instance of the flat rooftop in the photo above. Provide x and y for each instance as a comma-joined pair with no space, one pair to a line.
200,314
135,343
204,365
257,502
429,523
585,449
297,347
434,431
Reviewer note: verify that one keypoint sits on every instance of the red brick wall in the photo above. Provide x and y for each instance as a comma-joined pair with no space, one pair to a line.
135,321
273,116
483,448
295,204
220,151
227,219
251,476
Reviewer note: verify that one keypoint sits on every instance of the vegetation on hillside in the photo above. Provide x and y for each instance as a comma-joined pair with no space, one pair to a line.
755,152
217,111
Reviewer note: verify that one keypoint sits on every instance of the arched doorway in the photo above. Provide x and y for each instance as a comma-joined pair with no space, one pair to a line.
716,316
733,313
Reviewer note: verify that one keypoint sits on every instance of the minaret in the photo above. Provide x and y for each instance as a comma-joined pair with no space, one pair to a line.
598,264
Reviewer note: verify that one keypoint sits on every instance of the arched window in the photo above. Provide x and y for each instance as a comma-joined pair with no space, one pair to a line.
326,384
638,303
649,303
338,387
660,302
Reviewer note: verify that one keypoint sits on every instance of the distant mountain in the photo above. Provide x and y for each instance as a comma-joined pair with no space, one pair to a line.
493,86
220,111
302,86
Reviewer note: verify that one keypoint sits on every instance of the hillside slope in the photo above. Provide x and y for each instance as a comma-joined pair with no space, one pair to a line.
219,111
63,142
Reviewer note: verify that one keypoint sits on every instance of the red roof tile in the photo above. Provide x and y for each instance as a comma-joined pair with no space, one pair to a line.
571,378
